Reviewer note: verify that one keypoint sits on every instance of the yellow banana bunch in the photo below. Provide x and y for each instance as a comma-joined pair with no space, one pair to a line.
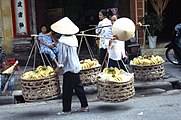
85,66
27,75
159,59
105,71
114,78
111,70
88,63
147,60
40,73
112,74
39,68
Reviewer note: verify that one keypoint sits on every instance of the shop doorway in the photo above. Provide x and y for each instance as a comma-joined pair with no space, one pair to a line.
172,16
84,13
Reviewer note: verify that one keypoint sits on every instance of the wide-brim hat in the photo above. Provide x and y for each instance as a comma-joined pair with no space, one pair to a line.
123,28
65,26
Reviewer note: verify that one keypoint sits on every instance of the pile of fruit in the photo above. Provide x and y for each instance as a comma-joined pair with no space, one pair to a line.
88,63
146,60
114,75
41,72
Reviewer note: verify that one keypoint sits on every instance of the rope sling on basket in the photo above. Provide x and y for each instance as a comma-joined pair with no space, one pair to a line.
89,74
111,91
115,85
40,83
90,68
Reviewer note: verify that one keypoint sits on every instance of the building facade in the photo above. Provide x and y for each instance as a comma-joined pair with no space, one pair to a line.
21,18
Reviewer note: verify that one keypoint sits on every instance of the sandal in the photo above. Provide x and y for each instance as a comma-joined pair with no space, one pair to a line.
86,109
64,113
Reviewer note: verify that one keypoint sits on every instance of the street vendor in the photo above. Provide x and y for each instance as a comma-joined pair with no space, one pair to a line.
69,65
103,31
116,50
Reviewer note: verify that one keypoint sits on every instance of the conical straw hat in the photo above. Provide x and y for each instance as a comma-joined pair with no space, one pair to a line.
124,28
65,26
10,69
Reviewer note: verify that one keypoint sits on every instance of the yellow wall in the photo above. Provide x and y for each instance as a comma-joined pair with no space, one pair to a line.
6,25
0,28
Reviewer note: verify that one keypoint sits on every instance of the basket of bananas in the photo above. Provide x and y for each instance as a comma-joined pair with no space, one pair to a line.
89,71
115,85
41,84
148,68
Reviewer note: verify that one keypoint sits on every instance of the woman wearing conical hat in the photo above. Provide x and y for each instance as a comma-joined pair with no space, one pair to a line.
69,64
116,50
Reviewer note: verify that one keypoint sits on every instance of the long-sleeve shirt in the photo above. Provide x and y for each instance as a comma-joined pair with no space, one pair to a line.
105,32
117,50
68,57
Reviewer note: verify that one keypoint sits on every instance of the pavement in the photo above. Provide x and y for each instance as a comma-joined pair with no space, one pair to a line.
170,81
164,106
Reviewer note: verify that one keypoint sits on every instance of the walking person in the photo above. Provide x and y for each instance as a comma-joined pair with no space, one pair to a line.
69,65
116,50
104,29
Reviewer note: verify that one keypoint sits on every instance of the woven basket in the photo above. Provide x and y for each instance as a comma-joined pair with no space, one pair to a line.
115,92
148,73
89,76
42,89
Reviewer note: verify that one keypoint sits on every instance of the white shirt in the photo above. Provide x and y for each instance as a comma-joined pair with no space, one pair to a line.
67,57
117,50
105,31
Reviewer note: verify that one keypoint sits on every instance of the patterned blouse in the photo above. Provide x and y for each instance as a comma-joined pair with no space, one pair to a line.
105,32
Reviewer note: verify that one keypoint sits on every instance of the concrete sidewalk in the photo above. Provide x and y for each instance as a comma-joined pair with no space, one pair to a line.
170,81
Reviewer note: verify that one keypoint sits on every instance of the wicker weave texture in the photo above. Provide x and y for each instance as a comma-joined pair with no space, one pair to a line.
115,92
89,76
44,89
149,73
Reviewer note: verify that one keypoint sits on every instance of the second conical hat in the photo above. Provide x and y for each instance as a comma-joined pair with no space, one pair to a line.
123,28
65,26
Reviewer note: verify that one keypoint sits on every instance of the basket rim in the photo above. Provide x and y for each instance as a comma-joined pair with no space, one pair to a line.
91,68
146,65
108,82
49,77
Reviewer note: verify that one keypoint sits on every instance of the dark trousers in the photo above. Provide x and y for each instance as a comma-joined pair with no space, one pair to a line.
71,81
102,54
114,63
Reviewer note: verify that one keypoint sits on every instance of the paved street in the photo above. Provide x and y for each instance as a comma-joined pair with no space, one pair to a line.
153,101
165,106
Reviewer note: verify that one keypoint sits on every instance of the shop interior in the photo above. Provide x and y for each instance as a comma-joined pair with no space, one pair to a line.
171,17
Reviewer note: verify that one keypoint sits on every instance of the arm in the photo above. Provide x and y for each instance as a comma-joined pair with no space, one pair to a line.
98,30
53,37
49,45
62,55
40,38
61,58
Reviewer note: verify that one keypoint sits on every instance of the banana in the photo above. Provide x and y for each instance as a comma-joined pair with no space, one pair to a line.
105,70
147,60
88,63
49,69
39,68
39,73
119,78
117,72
